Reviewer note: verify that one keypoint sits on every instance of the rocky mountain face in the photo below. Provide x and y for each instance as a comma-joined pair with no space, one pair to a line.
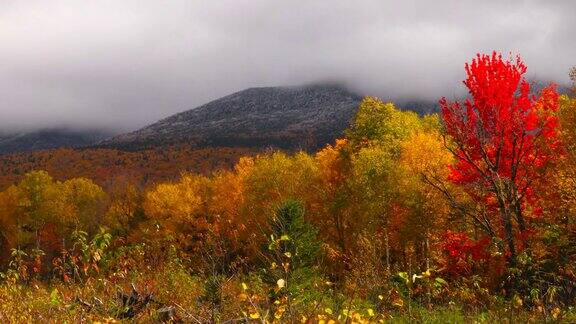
49,139
284,117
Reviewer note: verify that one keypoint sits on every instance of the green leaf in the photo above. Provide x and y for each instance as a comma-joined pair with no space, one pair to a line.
54,297
441,281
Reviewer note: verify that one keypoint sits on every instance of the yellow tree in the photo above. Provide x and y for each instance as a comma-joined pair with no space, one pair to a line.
172,206
381,124
39,203
274,179
86,203
423,156
9,228
376,136
331,216
364,177
260,186
560,189
227,198
41,212
125,211
231,232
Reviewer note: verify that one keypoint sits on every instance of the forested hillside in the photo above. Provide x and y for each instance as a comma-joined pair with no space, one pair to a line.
104,166
467,215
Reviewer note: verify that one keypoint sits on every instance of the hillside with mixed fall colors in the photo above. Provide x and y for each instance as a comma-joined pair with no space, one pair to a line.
103,165
204,139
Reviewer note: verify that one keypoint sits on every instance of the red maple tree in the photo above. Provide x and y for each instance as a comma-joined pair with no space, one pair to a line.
503,138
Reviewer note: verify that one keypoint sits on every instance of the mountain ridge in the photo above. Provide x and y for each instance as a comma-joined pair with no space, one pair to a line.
303,117
50,138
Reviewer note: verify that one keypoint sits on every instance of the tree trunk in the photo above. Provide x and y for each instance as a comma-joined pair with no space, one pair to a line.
507,218
505,205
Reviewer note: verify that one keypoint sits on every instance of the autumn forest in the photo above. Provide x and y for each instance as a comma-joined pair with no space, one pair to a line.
467,215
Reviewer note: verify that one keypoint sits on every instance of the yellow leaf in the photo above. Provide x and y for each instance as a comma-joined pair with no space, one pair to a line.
556,312
518,300
398,302
281,283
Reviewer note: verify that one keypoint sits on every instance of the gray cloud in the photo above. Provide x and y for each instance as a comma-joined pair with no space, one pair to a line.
123,64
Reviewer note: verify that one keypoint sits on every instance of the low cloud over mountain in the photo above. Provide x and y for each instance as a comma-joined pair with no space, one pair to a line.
125,64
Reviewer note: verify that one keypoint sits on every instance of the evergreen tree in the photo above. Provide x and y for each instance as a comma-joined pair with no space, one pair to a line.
291,257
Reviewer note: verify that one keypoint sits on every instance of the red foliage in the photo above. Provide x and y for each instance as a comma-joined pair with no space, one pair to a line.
461,251
501,128
503,138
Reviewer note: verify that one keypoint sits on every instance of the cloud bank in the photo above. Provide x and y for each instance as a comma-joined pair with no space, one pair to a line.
123,64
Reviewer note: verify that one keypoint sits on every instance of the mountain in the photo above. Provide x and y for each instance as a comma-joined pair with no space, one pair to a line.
420,106
285,117
306,117
49,139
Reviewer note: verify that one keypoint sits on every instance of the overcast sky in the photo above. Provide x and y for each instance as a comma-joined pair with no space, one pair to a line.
123,64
